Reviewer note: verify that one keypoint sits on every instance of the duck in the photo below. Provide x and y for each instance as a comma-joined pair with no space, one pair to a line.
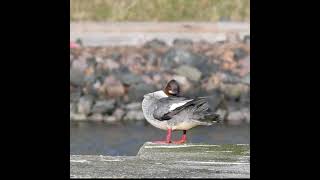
166,109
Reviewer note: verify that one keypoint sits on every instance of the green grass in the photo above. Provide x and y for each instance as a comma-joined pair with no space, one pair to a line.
159,10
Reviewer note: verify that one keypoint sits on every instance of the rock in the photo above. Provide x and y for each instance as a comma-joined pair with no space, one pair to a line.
97,85
113,87
244,66
222,113
239,53
246,40
214,99
134,115
183,82
111,64
77,77
91,61
191,73
89,75
175,57
233,37
147,79
79,64
96,117
118,113
226,77
135,62
116,56
152,57
236,117
246,79
246,114
73,108
116,90
208,68
183,43
110,119
78,117
75,95
234,91
77,72
128,78
136,92
155,43
211,83
133,106
84,104
104,106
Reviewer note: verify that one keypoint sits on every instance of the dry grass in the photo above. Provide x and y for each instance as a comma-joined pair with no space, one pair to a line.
159,10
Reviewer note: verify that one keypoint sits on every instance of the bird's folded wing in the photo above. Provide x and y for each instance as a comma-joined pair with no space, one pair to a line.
169,107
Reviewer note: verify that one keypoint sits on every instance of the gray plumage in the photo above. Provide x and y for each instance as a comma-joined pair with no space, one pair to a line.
176,112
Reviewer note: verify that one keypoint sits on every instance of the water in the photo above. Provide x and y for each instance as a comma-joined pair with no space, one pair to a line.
88,138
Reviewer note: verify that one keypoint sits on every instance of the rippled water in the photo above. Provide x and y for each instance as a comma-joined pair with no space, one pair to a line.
126,139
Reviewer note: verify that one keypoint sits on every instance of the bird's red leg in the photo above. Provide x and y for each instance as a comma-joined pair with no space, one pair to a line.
183,138
168,138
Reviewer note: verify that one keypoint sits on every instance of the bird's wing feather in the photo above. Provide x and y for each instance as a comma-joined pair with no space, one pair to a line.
194,103
167,105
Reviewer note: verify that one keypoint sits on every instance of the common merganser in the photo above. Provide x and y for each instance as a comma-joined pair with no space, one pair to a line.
167,110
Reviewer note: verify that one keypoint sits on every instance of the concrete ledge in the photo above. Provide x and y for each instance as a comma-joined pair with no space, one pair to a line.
138,33
168,161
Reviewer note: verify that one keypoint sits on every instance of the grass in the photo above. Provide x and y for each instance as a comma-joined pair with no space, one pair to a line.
159,10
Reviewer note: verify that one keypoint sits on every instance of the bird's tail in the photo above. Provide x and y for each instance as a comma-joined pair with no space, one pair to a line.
212,118
202,114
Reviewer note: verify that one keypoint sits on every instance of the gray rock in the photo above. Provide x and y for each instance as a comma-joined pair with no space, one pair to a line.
96,117
75,95
104,106
78,117
246,40
137,91
77,77
118,113
228,78
246,114
246,79
151,57
175,57
155,43
208,68
222,113
77,72
85,104
90,79
133,106
215,99
191,73
239,53
134,115
73,108
91,61
234,91
116,56
182,43
110,119
236,117
128,78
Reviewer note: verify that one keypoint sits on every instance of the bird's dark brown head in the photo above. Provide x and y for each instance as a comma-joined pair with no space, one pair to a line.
172,88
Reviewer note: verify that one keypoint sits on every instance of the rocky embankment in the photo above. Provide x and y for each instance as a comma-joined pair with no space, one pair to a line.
108,83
